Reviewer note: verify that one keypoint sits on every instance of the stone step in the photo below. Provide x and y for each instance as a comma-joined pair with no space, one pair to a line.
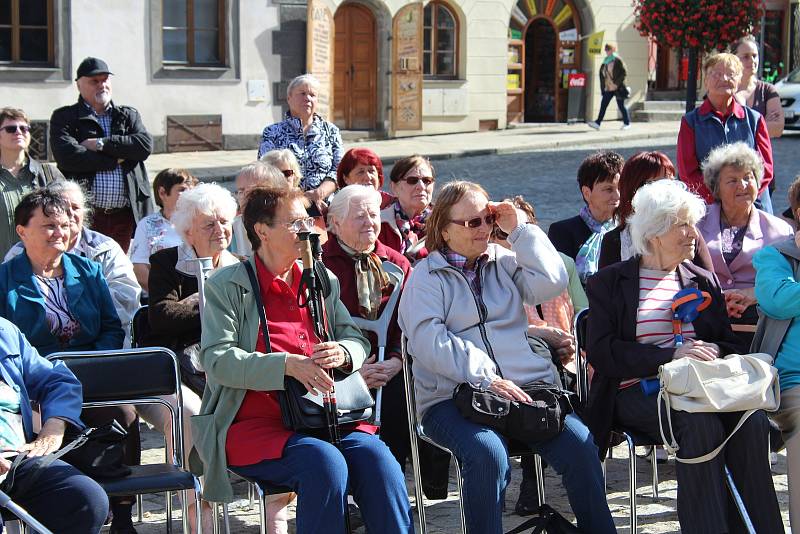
355,136
658,115
666,105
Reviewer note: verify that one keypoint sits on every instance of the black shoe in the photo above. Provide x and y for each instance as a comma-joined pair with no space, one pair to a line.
434,492
528,501
356,521
121,522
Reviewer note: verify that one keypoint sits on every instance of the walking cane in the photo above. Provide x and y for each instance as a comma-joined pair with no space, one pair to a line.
380,326
22,515
310,250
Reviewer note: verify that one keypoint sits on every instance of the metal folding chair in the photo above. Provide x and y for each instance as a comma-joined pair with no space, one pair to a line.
131,377
416,432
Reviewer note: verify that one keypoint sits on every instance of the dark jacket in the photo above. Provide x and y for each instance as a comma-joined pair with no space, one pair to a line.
173,323
611,251
129,144
618,75
343,266
612,349
88,297
569,235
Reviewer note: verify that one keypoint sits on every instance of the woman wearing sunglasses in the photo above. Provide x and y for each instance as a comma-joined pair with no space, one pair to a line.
403,222
20,173
462,310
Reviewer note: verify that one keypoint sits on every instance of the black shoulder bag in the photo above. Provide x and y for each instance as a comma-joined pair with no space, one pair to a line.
541,420
300,410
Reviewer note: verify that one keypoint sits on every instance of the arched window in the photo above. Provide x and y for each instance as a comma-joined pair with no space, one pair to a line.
440,54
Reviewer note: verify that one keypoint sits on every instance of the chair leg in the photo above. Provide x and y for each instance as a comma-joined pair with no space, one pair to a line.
654,463
418,495
537,461
185,527
460,495
262,511
226,520
139,511
632,481
168,497
251,494
215,516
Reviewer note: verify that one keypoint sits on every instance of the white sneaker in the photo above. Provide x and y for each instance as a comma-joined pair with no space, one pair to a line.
625,126
593,124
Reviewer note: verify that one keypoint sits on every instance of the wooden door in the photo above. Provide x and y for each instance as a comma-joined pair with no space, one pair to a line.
355,68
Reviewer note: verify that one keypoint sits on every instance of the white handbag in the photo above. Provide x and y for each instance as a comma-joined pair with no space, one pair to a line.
736,383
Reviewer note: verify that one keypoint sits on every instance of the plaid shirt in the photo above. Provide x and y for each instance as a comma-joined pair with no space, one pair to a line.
471,273
108,188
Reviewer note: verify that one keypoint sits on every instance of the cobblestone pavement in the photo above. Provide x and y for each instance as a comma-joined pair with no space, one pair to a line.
655,515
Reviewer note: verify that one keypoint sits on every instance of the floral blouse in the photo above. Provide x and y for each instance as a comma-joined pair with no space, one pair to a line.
318,151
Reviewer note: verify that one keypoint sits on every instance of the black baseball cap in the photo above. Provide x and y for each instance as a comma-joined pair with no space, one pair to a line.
92,66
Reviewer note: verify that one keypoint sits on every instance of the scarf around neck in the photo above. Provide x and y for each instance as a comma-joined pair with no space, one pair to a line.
609,58
411,229
588,256
371,280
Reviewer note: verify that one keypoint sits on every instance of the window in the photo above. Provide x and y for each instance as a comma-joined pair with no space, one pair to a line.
193,33
26,32
440,41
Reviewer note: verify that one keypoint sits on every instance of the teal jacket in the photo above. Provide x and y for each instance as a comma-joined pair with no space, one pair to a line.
778,295
228,355
88,297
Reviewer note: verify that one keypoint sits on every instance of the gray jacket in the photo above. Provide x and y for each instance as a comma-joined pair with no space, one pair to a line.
451,331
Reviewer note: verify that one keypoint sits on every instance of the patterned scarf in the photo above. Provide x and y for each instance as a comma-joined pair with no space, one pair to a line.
371,280
471,274
589,254
412,229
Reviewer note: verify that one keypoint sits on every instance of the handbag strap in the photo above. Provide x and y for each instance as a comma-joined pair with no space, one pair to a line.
672,446
259,303
42,462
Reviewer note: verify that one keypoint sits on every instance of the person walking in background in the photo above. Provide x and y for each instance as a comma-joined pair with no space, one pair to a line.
612,85
103,146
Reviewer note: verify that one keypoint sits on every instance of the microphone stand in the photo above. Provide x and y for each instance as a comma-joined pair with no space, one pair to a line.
22,515
310,252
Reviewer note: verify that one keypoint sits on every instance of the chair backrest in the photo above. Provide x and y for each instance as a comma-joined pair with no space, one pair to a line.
127,374
582,371
380,326
140,326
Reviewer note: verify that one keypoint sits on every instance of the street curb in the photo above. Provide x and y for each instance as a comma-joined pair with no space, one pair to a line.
228,173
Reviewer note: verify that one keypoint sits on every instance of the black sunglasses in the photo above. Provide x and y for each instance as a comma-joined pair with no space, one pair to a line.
414,180
24,128
475,222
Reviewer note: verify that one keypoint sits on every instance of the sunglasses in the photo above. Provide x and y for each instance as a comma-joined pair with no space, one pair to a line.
23,128
414,180
475,222
288,173
305,224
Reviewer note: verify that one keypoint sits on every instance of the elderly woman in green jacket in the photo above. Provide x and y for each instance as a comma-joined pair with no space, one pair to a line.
240,425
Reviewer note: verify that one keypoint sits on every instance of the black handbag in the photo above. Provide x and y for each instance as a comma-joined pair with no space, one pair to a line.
100,452
300,410
547,521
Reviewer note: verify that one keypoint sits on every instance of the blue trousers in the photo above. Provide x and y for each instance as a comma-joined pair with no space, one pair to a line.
483,456
321,475
63,499
605,100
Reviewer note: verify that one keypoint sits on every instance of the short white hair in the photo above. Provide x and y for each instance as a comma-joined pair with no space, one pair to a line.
263,173
303,79
205,199
738,155
339,208
658,206
287,157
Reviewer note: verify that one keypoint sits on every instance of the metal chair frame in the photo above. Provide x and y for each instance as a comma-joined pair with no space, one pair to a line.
416,432
176,417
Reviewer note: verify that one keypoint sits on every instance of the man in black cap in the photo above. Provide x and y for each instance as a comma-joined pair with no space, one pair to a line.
104,146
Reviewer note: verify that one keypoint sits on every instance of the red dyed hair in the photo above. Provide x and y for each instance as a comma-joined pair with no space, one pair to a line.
358,156
638,170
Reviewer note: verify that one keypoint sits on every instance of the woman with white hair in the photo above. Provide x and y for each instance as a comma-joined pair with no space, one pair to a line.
203,218
734,228
116,266
284,160
315,142
630,335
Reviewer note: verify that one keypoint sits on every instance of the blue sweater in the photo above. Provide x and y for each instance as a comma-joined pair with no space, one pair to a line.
778,295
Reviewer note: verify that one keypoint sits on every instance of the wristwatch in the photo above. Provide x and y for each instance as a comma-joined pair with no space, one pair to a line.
99,144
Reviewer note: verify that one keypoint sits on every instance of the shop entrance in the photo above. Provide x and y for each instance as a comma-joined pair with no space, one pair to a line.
540,72
355,68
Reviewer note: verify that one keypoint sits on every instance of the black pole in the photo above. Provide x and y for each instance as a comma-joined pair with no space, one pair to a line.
691,84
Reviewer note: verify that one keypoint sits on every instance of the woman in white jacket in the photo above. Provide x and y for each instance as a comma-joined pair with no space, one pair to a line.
462,311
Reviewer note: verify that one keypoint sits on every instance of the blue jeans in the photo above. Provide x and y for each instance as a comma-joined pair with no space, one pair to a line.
605,100
321,475
63,499
764,201
483,456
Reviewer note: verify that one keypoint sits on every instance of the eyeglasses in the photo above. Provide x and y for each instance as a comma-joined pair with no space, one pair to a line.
305,224
475,222
414,180
288,173
23,128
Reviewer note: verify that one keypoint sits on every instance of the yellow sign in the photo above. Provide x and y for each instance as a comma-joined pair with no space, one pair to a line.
596,43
